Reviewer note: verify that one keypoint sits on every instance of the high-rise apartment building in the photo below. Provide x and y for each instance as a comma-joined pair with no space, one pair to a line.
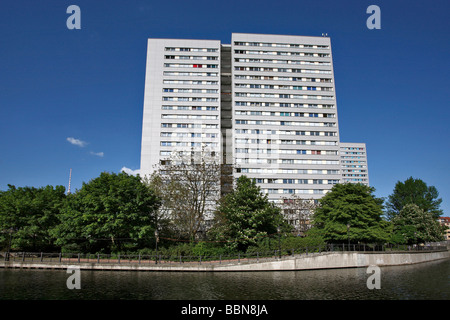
285,125
354,163
264,103
182,100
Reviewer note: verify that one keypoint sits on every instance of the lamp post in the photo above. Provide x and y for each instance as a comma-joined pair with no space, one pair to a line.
279,241
156,244
348,235
415,240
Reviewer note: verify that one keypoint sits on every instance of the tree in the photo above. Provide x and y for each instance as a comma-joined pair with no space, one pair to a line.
190,189
413,191
245,215
414,225
111,213
350,212
27,216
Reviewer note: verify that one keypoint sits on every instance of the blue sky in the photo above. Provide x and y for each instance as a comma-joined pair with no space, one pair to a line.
74,98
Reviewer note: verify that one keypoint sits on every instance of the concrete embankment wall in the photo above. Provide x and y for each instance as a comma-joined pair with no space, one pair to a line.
326,260
342,260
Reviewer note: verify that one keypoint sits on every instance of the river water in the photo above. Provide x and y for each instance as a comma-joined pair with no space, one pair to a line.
425,281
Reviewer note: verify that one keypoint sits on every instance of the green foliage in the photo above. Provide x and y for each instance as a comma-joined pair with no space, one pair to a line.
413,191
351,211
414,225
189,249
112,213
287,243
244,215
119,213
27,216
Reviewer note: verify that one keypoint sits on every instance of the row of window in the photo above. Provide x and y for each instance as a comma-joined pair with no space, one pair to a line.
286,151
353,175
285,142
185,153
189,135
351,148
282,96
294,191
207,99
187,144
297,171
192,74
348,153
196,82
281,87
294,162
268,61
270,53
185,90
348,157
286,123
191,57
286,132
265,69
297,181
353,165
191,49
285,114
280,45
284,105
197,108
279,78
190,116
263,141
184,65
289,171
190,125
355,180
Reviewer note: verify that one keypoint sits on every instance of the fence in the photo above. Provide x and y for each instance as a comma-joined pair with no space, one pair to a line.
255,257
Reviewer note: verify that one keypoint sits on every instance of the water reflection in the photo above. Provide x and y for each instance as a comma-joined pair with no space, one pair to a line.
422,281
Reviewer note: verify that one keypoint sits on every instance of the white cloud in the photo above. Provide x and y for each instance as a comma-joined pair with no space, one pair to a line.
77,142
98,154
130,171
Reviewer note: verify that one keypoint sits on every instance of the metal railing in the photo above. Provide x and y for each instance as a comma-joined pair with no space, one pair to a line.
238,258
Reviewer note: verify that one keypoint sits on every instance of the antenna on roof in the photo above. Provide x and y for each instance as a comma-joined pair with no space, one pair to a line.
70,178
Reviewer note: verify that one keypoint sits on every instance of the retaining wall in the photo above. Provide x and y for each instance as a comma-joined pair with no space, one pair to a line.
325,260
341,260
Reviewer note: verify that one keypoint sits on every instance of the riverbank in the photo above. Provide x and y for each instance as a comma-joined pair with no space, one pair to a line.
314,261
